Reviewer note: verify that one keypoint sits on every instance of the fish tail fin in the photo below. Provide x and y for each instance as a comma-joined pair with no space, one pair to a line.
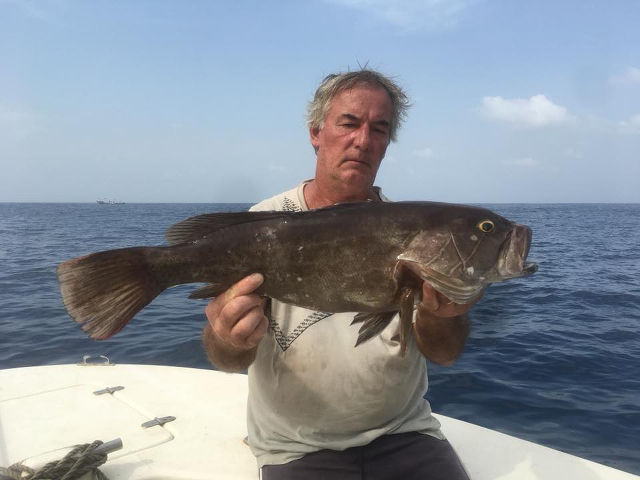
105,290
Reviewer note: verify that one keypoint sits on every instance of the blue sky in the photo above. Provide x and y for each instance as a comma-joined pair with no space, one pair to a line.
204,101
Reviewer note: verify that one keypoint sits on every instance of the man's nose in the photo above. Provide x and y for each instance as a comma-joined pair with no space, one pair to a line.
363,138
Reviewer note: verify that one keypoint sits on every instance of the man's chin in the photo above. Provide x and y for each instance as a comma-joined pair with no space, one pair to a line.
357,180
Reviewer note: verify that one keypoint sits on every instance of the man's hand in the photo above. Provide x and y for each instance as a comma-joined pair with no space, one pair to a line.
441,327
237,316
236,325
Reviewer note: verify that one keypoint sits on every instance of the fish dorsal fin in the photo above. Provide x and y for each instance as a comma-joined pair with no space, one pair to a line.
200,226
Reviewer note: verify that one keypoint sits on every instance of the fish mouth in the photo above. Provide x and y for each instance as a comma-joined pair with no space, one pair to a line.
514,252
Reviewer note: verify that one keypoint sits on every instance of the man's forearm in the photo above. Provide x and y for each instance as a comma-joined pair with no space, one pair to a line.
223,357
441,340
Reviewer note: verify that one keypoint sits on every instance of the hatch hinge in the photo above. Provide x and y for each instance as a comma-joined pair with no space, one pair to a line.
158,421
108,390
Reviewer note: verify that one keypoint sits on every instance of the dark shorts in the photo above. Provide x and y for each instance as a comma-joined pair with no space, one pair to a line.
406,456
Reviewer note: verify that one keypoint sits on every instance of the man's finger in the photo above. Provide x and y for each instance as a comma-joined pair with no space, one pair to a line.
238,308
430,297
259,332
243,287
245,327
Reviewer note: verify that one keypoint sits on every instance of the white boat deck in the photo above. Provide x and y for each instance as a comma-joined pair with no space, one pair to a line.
43,409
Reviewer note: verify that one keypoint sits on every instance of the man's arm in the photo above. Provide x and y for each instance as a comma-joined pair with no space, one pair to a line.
441,327
236,324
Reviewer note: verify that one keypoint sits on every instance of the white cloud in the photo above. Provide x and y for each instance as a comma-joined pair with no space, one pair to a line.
630,77
521,162
412,14
537,111
424,153
631,126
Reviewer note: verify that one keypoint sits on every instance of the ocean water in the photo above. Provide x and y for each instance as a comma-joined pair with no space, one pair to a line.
553,358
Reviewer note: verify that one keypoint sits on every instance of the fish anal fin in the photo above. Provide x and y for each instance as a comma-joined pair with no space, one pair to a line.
372,324
208,291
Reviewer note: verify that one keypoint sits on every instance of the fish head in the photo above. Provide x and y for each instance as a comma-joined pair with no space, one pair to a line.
467,248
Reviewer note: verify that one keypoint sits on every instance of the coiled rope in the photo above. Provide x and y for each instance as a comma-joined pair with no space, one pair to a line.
79,461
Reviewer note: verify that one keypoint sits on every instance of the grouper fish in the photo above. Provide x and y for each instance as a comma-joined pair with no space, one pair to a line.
367,257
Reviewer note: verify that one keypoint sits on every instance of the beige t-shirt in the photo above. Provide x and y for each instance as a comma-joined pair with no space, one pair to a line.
310,389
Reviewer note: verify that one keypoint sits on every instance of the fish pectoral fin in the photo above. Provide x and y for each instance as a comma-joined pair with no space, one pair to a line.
208,291
407,297
372,324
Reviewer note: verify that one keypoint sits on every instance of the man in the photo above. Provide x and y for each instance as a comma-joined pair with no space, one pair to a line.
318,407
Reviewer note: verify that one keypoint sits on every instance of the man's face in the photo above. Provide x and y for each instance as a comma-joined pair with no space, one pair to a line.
355,136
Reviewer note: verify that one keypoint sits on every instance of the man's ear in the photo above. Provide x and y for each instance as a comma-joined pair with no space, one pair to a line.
314,136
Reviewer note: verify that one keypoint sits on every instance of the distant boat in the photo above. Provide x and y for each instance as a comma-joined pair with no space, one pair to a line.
109,202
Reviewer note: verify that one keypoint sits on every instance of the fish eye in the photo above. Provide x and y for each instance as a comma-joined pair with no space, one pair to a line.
486,226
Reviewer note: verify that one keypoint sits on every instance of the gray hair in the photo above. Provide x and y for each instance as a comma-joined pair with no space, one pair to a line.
335,83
